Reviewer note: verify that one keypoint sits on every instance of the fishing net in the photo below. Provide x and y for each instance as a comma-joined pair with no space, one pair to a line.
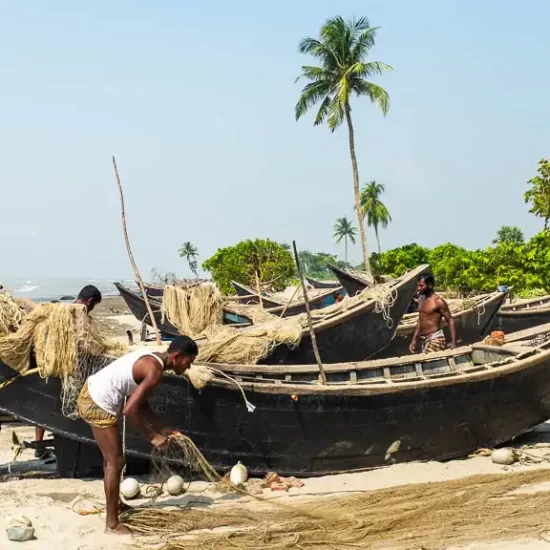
231,345
429,515
66,345
191,310
11,314
255,313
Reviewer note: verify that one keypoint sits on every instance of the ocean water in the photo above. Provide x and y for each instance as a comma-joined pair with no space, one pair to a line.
54,288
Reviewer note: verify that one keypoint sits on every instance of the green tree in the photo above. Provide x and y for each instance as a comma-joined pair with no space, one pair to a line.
190,253
315,264
395,262
374,209
344,229
341,51
509,234
539,195
245,261
536,262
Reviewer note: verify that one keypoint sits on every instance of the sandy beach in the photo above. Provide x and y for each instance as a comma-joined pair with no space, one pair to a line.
52,504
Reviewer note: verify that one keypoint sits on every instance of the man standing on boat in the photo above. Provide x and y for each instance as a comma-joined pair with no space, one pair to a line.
102,401
432,309
89,296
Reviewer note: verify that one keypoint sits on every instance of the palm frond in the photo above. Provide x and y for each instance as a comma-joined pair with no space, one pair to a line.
336,113
372,68
363,43
311,94
323,111
376,93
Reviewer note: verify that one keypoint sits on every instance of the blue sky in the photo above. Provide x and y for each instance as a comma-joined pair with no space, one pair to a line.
196,100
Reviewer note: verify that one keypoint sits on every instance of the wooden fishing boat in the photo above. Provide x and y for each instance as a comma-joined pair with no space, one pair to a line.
352,281
523,315
315,283
369,414
136,304
472,324
349,334
277,307
153,291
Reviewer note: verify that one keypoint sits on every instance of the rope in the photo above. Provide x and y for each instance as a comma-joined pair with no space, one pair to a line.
17,377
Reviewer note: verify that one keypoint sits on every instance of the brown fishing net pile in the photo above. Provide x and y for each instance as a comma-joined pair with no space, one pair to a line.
427,516
256,313
192,309
11,314
66,344
226,344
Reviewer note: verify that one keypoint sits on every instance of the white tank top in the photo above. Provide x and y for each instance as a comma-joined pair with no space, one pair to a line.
112,384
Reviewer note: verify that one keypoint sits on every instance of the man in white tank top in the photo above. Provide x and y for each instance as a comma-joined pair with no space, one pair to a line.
101,403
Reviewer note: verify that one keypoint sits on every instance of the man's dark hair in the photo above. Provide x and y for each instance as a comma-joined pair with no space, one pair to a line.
90,292
184,346
428,278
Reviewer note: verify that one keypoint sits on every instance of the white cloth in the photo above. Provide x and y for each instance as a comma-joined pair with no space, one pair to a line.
112,384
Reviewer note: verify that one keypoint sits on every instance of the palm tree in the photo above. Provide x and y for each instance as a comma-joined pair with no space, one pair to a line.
190,253
344,229
373,208
341,50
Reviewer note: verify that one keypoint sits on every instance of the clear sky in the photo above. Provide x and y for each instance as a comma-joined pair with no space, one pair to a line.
196,100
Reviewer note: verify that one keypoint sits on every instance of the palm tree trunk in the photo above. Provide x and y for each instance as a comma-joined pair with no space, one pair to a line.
377,239
346,248
356,190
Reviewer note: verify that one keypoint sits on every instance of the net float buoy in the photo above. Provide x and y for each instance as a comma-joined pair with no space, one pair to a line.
129,488
174,485
19,529
503,456
239,474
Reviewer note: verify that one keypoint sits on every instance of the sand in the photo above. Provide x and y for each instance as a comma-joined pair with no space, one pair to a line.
47,502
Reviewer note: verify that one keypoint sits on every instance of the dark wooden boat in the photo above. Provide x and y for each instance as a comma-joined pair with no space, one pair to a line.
472,324
351,281
136,304
370,414
315,283
153,291
317,301
523,315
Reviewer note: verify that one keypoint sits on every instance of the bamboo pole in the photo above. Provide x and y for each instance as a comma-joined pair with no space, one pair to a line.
131,256
309,321
259,289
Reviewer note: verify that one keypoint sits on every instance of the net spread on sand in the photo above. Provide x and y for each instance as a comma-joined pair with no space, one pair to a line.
66,345
191,310
226,344
428,515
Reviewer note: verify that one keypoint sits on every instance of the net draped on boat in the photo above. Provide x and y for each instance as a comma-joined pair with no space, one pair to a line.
65,343
11,314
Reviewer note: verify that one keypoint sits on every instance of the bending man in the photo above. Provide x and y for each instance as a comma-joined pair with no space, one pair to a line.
101,402
432,309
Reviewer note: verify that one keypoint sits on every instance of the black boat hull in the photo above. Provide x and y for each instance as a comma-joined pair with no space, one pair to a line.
319,433
322,284
351,284
521,320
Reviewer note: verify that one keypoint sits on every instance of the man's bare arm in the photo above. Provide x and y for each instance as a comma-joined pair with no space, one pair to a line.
414,341
150,373
446,313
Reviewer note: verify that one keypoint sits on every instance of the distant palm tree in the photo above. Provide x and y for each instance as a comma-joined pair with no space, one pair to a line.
373,208
344,229
341,50
190,253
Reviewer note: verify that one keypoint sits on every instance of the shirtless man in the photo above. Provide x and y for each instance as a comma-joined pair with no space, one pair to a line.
101,402
431,310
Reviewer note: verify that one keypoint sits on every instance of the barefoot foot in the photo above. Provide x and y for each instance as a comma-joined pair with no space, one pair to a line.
118,530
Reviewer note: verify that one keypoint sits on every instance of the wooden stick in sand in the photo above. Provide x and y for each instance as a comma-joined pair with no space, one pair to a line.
132,260
309,321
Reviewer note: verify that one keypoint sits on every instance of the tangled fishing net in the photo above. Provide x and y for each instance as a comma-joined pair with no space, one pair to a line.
253,312
11,314
66,345
249,345
192,309
428,515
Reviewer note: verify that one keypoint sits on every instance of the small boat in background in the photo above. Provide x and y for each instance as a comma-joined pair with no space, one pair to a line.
523,314
315,283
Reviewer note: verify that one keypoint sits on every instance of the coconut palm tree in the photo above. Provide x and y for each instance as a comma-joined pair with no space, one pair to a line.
344,229
373,208
190,253
341,51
